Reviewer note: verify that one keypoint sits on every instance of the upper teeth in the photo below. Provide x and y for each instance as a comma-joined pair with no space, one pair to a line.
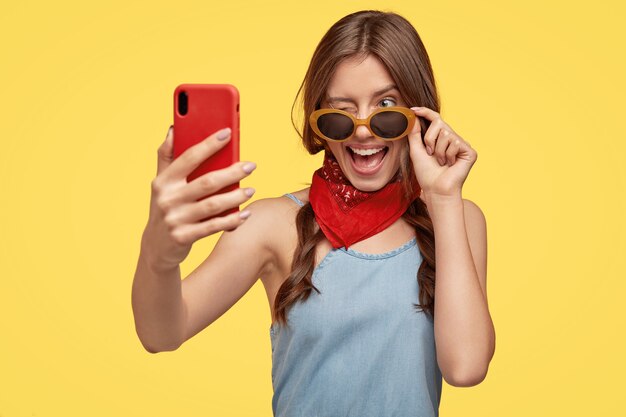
366,151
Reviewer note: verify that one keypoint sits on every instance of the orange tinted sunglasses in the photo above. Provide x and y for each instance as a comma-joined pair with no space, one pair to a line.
387,123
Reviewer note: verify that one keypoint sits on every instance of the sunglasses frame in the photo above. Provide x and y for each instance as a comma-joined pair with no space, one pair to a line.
411,118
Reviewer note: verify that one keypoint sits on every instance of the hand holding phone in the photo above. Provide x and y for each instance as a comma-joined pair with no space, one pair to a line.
177,208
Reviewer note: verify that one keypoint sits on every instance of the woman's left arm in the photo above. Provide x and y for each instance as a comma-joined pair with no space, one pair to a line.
464,331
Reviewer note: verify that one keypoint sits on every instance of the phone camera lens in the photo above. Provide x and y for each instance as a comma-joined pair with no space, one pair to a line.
183,103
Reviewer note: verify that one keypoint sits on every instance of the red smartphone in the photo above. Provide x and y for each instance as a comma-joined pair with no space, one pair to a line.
199,111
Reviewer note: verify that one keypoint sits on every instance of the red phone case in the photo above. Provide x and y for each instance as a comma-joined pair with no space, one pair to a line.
210,107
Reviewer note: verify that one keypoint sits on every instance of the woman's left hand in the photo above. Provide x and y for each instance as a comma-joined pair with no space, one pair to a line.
443,178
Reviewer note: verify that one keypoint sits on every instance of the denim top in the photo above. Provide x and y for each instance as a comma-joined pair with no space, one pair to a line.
360,348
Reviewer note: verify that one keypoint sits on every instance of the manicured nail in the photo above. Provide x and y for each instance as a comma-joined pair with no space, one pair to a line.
249,167
249,191
245,214
223,134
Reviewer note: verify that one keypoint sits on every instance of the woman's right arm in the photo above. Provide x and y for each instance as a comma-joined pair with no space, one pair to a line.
159,307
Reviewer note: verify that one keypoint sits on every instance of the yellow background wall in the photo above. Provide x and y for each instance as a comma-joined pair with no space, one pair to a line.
536,87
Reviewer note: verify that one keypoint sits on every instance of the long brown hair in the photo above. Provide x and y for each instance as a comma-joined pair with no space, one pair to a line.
392,39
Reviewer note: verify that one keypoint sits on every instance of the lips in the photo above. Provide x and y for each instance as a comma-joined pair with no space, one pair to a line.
367,165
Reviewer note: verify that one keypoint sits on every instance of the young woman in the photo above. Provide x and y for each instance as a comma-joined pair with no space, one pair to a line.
353,264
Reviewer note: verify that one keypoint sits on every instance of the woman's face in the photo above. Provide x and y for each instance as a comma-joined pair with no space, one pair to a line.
359,87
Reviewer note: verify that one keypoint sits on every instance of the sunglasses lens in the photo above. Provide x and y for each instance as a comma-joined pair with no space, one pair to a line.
335,126
389,124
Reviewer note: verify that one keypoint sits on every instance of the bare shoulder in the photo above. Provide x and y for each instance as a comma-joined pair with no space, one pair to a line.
475,223
473,212
274,218
273,209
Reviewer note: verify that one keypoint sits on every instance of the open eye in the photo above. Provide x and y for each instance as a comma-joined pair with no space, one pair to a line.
389,100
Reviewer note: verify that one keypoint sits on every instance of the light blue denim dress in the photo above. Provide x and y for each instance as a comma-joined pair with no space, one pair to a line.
359,348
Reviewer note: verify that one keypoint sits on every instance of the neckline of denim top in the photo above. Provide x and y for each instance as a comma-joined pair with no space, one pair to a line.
383,255
356,254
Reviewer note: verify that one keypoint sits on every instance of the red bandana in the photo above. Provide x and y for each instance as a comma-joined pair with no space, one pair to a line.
347,215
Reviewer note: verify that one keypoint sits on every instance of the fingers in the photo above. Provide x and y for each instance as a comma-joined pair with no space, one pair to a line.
432,134
214,181
189,160
166,151
415,136
441,145
452,151
440,140
208,207
189,233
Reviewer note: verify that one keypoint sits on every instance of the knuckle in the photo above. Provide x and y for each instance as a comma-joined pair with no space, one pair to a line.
156,185
170,221
191,155
163,203
209,206
208,182
178,237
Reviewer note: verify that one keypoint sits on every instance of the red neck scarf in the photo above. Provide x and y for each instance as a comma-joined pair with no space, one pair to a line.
347,215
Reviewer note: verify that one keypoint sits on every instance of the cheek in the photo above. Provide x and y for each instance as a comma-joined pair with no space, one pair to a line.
396,155
336,149
400,151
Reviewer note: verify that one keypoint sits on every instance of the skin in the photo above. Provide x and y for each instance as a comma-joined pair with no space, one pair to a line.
169,311
355,81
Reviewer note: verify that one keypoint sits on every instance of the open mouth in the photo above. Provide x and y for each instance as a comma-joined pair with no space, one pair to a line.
366,160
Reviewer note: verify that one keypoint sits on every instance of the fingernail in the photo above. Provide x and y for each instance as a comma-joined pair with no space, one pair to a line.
416,108
249,191
249,167
441,161
223,134
245,214
430,151
169,130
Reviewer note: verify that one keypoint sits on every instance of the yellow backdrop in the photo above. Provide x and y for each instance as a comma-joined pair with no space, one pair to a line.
536,87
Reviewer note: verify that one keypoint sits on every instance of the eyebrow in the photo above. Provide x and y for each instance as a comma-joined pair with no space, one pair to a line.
376,93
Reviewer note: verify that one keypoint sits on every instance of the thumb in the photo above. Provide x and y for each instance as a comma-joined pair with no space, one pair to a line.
166,151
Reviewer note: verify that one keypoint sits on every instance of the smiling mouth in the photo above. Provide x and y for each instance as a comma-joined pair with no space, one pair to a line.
367,159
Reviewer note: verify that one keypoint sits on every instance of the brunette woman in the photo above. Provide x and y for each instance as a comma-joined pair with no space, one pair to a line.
375,274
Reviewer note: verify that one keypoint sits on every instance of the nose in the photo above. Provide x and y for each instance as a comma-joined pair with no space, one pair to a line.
362,132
